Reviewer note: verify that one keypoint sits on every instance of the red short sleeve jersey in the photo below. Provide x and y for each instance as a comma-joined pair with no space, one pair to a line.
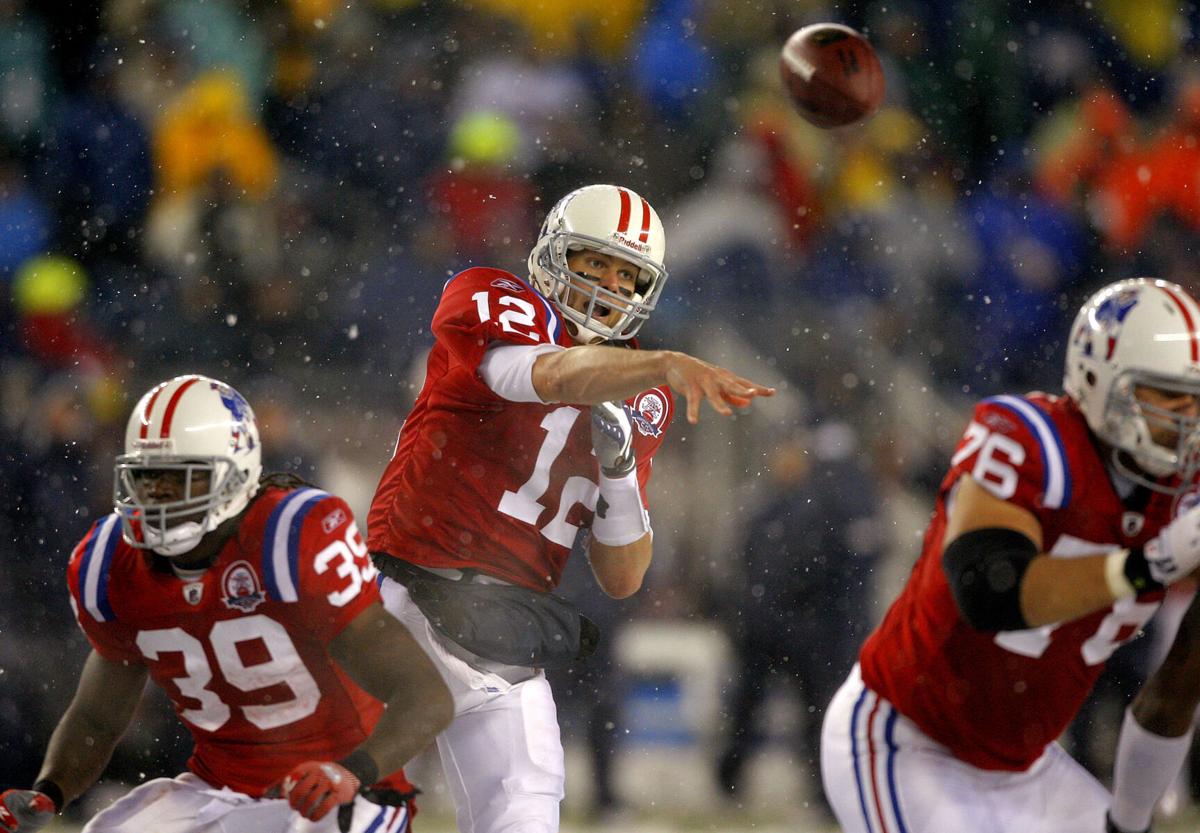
242,651
478,481
997,699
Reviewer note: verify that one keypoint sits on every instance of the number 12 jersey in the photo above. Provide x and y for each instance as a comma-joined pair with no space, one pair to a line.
481,482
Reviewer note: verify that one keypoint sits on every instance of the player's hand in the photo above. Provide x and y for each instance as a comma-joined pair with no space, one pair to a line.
1175,551
24,811
313,788
698,381
612,438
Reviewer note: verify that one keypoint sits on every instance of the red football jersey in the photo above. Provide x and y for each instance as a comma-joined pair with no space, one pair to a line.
997,699
242,651
481,482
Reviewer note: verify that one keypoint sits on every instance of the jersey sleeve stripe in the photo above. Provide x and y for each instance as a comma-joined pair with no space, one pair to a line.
281,543
97,559
1056,487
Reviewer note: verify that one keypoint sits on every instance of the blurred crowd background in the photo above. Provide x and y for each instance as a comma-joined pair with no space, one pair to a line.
273,192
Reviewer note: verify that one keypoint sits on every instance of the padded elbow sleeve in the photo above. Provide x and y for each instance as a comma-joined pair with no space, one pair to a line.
985,568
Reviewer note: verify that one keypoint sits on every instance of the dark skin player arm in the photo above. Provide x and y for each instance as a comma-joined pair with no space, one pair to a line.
379,654
1166,704
105,699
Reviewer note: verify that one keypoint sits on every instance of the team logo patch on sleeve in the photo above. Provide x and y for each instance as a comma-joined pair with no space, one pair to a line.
240,587
649,409
509,285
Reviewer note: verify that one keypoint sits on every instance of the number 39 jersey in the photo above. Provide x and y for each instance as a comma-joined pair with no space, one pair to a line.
481,482
242,650
997,699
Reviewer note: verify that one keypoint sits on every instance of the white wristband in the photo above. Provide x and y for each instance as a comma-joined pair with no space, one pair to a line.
1114,574
620,517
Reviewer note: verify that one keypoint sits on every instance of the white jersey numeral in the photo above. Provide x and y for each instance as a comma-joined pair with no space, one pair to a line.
524,504
1121,624
212,714
999,455
353,564
522,316
284,666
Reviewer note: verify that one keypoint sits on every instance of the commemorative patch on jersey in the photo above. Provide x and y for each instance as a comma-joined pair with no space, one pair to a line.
240,587
649,411
507,284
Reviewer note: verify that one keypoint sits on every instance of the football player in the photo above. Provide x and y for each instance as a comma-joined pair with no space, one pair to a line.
536,423
1055,531
255,607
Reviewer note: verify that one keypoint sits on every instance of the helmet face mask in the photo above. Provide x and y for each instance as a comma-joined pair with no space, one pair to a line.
192,461
1134,347
1160,441
605,219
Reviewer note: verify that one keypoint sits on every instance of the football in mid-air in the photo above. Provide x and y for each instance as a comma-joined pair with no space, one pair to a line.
832,74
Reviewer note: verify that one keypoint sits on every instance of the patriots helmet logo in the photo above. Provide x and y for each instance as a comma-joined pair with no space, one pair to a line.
1109,317
240,410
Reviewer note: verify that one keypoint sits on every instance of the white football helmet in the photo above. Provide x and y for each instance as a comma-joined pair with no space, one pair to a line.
189,424
609,219
1138,332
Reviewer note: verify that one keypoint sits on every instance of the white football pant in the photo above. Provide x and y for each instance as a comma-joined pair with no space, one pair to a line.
884,775
187,804
502,755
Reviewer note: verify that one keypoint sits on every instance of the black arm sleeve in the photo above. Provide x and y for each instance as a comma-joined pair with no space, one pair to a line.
985,568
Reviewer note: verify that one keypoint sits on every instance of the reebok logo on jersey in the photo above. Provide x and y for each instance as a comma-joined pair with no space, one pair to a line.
333,520
510,285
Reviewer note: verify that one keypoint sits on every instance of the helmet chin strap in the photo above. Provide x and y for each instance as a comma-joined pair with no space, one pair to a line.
176,541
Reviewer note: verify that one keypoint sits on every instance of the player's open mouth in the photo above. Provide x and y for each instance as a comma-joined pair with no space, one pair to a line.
601,311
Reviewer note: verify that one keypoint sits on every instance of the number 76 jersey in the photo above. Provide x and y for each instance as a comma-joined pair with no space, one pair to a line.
482,482
997,699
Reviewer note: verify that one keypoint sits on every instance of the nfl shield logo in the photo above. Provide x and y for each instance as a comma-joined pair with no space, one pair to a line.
193,591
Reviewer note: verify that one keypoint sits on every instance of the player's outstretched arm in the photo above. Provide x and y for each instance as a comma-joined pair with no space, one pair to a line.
591,374
105,699
1003,581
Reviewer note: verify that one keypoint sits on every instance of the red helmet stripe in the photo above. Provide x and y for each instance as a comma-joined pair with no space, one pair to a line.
150,409
174,403
1188,320
645,221
626,210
